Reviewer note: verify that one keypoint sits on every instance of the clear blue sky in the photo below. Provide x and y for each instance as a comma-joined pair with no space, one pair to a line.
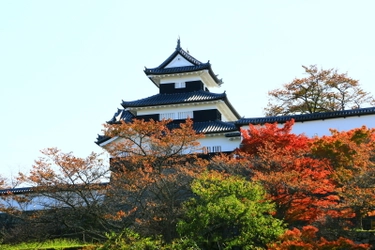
66,65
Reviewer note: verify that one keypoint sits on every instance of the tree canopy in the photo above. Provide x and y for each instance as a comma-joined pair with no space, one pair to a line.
68,193
352,156
229,212
282,162
154,168
161,193
322,90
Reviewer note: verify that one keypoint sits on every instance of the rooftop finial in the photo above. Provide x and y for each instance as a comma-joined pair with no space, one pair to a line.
178,44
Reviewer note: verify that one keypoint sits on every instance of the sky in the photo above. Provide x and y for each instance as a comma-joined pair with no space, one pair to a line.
65,66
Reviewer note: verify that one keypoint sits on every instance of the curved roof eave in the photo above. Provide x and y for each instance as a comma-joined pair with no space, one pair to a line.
175,98
230,106
207,127
100,139
164,71
184,69
210,127
121,114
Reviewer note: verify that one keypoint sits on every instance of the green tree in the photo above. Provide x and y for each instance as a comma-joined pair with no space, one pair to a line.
321,91
228,212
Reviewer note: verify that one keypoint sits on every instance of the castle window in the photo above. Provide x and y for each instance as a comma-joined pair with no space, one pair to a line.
185,115
205,150
179,85
213,149
167,116
123,154
216,149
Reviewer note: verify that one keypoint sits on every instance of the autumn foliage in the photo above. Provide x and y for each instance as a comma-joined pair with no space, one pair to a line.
299,183
322,90
352,156
303,183
153,165
313,180
307,239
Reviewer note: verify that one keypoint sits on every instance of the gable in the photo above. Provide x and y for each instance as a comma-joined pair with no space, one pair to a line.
178,61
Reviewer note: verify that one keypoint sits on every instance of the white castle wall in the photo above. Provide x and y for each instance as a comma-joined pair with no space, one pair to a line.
322,127
180,78
175,108
182,108
226,144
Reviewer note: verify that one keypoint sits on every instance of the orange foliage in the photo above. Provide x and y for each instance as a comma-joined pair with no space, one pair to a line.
351,153
152,166
306,239
321,91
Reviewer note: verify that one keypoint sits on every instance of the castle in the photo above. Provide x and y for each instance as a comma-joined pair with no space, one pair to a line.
184,92
185,86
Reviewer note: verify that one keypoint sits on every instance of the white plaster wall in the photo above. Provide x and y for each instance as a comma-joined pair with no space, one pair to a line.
321,127
36,203
227,144
202,75
226,113
180,78
176,108
12,203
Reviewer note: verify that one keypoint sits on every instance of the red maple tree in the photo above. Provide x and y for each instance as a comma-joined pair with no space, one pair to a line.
282,162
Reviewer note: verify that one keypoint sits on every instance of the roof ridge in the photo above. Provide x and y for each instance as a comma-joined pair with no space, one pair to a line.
308,117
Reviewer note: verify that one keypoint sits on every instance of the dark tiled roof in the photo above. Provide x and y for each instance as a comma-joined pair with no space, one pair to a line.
197,65
307,117
121,114
160,71
25,190
214,127
101,138
175,98
233,134
209,127
16,191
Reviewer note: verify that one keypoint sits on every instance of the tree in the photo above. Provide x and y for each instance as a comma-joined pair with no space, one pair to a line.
4,200
321,91
153,165
282,162
68,193
229,212
352,155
